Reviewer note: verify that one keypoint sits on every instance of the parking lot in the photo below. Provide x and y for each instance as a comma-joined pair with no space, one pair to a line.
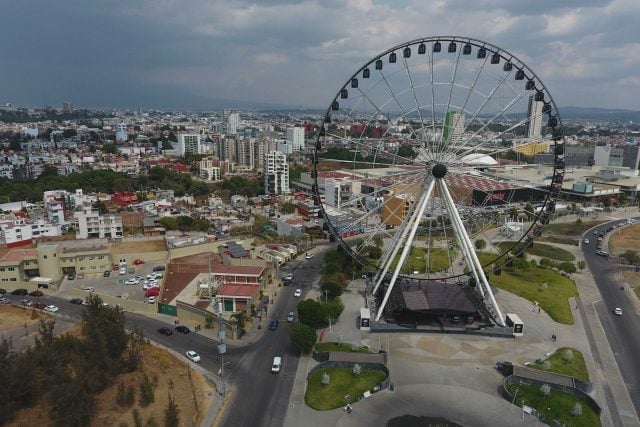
114,285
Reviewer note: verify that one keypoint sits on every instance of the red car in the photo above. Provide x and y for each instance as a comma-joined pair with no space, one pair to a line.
39,305
138,261
115,267
152,292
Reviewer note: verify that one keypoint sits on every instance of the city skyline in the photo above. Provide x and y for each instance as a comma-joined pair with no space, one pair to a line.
202,54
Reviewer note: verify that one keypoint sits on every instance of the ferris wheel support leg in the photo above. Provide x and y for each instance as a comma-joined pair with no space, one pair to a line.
459,230
407,244
465,240
398,244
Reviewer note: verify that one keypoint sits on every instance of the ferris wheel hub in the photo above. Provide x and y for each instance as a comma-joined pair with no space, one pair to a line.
439,171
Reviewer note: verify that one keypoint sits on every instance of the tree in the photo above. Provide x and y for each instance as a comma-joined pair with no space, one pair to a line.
110,148
312,313
374,252
545,389
606,202
480,244
68,133
567,356
147,391
581,264
567,267
631,256
171,413
287,208
330,289
100,206
577,410
303,337
240,318
356,369
325,379
15,146
377,240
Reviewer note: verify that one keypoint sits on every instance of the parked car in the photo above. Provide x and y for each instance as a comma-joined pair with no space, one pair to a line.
35,293
20,291
4,300
51,309
273,325
77,301
288,276
193,356
602,253
158,268
115,267
291,316
165,331
89,289
107,273
3,291
308,256
152,292
151,300
138,261
123,271
26,303
71,276
131,281
298,293
183,329
40,306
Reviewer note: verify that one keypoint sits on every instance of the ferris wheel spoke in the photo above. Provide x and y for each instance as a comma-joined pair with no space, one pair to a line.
483,105
448,106
415,97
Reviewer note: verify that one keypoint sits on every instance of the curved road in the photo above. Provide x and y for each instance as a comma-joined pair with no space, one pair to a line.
621,331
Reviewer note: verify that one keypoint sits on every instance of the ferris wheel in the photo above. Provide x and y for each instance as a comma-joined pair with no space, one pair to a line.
419,165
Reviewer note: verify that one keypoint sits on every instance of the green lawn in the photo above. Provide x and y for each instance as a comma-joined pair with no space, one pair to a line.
438,260
575,368
528,284
557,406
542,250
342,383
570,228
334,346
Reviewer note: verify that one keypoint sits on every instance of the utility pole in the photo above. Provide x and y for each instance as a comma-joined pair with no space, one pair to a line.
222,349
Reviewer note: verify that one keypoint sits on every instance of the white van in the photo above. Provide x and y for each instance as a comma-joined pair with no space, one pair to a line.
277,364
123,270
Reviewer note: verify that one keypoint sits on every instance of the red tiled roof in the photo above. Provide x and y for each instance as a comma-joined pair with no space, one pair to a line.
16,256
242,290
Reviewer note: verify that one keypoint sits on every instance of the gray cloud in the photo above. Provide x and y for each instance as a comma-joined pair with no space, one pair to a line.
150,53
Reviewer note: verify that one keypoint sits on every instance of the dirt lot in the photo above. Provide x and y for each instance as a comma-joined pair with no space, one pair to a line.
191,391
624,239
140,246
15,317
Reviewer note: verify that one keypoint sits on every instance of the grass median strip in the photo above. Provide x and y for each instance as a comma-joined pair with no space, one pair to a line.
566,361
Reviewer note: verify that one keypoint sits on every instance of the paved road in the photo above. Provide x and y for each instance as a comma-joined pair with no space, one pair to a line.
621,331
261,398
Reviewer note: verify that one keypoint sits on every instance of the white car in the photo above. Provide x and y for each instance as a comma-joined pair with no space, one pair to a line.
291,316
193,356
308,256
51,309
89,289
617,311
298,293
288,276
586,241
131,281
151,300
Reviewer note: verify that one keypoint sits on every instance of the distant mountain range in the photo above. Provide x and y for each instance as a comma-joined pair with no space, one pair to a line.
607,114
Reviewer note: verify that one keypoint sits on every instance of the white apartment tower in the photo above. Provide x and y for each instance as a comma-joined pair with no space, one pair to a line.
230,121
534,125
189,144
276,173
121,132
295,137
90,224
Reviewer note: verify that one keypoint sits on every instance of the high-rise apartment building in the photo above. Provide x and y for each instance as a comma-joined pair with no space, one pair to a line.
90,224
67,107
453,127
189,144
533,127
227,149
276,173
295,137
121,132
260,148
230,121
245,152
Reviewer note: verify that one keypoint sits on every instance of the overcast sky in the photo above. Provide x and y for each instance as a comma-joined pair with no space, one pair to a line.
177,53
